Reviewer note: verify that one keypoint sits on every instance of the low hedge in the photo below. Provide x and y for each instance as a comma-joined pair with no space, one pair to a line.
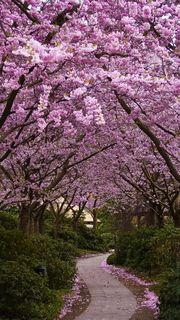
112,259
170,297
149,250
7,221
90,239
25,294
60,274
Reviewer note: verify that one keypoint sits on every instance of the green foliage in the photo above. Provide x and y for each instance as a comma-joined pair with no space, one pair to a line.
90,239
12,244
112,259
170,297
8,221
23,293
108,239
27,295
68,235
166,244
60,274
107,227
140,255
123,243
149,250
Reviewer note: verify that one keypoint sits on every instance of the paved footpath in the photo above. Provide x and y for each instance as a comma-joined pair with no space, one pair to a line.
110,299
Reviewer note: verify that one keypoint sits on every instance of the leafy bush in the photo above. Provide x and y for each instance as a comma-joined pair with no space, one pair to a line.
108,239
68,235
66,251
123,243
140,255
112,259
12,244
166,244
150,250
23,293
90,239
19,257
45,249
60,274
170,297
7,221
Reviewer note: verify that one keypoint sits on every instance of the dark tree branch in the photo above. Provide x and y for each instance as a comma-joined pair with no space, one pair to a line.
24,8
92,155
162,151
98,55
10,102
60,20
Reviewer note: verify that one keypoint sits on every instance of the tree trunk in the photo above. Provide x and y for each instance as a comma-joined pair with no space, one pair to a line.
75,219
56,227
139,218
74,224
176,219
176,210
94,220
31,224
150,218
24,220
36,224
160,220
41,223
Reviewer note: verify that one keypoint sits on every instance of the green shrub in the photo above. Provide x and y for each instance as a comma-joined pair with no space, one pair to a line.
12,244
108,239
112,259
60,274
90,239
149,250
123,243
46,249
19,257
41,247
68,235
166,244
170,297
141,255
66,251
23,293
7,221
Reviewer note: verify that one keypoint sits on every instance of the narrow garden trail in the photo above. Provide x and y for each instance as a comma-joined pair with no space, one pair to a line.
110,299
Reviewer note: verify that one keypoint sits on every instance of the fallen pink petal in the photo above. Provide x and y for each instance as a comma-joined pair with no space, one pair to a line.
150,299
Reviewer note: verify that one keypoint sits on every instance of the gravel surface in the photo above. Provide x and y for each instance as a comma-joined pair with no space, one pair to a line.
110,299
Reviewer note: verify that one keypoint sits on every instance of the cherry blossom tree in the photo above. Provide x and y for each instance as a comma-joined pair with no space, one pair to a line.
82,79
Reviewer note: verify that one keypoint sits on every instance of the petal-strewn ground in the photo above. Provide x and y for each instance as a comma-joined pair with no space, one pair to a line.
110,299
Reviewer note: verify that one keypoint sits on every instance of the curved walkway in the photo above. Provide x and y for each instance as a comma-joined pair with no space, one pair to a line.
110,299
